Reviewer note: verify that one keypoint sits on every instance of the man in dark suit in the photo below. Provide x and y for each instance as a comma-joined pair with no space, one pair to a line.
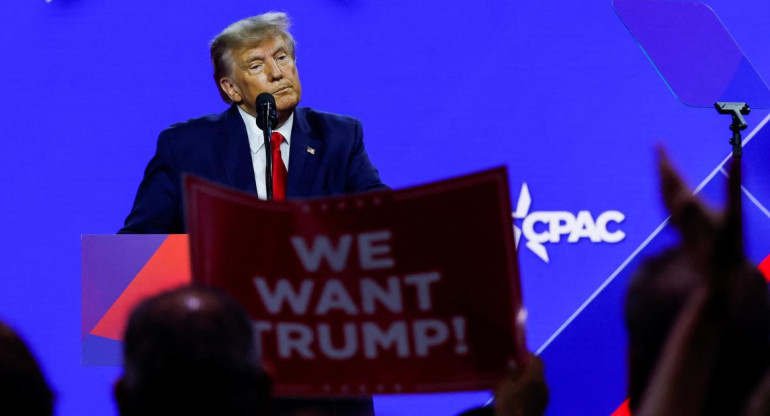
323,153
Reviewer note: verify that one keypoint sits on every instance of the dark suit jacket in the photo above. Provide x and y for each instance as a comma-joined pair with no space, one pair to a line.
327,157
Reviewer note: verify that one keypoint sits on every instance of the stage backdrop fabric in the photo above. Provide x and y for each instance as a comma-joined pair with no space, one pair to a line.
557,91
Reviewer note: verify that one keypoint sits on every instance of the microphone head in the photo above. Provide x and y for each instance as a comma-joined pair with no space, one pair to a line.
265,98
266,111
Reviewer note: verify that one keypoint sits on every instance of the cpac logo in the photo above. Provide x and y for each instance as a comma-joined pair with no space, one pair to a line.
541,227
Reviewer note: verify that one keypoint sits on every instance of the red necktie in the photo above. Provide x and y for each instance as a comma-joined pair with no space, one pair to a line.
279,170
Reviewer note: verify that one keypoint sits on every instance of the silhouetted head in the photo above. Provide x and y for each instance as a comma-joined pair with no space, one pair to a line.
191,351
23,388
658,292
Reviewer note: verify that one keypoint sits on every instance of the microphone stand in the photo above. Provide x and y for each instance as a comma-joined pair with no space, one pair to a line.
266,133
737,110
267,119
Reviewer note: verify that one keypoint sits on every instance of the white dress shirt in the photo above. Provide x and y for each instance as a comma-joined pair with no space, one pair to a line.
257,146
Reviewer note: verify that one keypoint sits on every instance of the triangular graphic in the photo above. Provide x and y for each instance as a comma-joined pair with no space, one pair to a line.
623,410
168,268
110,263
764,267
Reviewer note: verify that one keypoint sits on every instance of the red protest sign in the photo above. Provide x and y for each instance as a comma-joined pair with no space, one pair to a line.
407,291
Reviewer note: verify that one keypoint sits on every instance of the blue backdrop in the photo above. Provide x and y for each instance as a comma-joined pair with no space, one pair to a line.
558,91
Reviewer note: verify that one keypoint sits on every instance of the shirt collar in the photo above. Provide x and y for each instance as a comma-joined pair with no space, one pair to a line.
256,140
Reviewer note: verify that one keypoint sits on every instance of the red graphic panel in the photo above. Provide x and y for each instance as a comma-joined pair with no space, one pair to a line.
764,267
623,410
168,268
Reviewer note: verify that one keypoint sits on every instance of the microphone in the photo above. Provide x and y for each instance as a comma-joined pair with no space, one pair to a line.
267,120
266,111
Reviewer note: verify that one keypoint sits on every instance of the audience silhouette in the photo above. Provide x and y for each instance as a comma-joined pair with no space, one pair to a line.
698,318
698,315
23,388
191,351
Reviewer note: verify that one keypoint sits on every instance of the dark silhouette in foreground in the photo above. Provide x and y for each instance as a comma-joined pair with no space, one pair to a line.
191,351
698,315
523,392
23,388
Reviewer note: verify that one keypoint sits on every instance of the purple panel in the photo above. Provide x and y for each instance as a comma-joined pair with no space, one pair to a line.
110,263
691,49
746,86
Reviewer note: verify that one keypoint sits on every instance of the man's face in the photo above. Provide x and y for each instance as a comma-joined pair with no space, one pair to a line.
267,67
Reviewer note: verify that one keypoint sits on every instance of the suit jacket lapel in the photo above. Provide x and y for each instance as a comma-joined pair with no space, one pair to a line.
302,163
236,154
